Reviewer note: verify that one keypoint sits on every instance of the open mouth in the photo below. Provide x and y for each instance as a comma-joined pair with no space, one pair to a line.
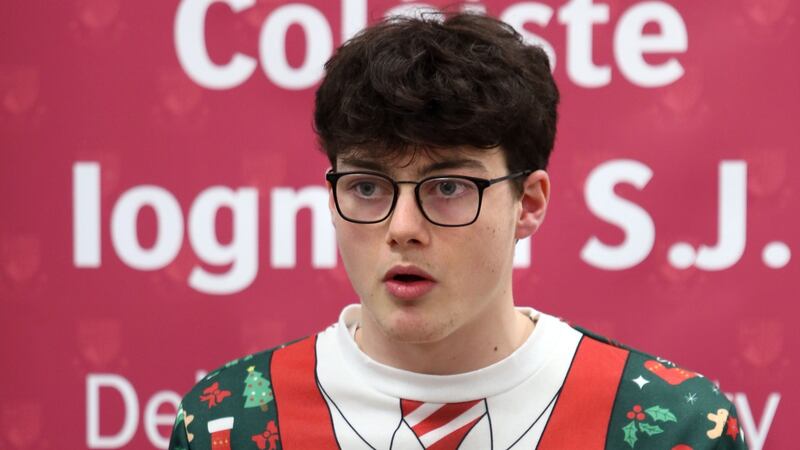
408,278
408,282
407,274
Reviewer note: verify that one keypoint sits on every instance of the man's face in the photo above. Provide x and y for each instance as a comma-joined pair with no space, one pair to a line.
468,268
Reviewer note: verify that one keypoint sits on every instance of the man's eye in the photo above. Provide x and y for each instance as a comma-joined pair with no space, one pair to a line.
365,189
449,188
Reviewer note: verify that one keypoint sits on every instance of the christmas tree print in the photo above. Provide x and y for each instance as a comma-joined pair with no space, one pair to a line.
257,390
637,422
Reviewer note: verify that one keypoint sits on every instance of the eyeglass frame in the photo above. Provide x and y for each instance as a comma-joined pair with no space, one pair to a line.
482,183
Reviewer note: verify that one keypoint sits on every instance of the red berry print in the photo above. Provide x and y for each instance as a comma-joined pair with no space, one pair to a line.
636,413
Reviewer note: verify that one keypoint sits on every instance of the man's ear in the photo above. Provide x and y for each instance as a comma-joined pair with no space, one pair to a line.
534,199
331,204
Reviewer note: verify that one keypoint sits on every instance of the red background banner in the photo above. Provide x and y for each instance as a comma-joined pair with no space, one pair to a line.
164,208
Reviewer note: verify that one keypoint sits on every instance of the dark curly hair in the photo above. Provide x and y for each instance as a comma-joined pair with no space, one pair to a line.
435,82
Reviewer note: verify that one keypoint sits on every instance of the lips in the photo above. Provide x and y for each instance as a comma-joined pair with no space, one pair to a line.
407,272
408,282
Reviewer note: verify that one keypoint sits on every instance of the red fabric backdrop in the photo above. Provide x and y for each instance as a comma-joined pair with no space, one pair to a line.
163,208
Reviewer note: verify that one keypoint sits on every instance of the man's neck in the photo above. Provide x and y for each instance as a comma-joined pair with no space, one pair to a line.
472,347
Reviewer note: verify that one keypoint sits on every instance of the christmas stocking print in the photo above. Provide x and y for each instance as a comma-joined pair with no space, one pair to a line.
673,375
220,430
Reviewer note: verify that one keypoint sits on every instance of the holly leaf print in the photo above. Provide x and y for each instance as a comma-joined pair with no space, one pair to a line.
630,433
650,429
660,414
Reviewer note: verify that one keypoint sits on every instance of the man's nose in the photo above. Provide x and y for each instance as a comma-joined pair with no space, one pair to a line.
407,224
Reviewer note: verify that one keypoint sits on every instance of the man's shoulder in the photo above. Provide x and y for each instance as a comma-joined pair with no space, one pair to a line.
236,395
237,370
654,371
660,404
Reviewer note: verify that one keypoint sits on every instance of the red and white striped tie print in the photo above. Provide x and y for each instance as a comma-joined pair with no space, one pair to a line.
442,426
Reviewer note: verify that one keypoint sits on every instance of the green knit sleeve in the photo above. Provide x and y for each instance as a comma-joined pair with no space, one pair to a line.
661,405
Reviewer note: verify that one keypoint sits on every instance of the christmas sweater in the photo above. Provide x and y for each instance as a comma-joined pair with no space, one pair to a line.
564,388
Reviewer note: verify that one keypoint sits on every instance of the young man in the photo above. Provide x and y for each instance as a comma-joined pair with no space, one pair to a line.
438,131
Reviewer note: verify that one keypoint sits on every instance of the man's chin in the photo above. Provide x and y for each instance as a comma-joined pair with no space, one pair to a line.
407,323
414,330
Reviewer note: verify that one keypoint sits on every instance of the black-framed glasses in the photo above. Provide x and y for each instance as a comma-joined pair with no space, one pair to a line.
445,200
